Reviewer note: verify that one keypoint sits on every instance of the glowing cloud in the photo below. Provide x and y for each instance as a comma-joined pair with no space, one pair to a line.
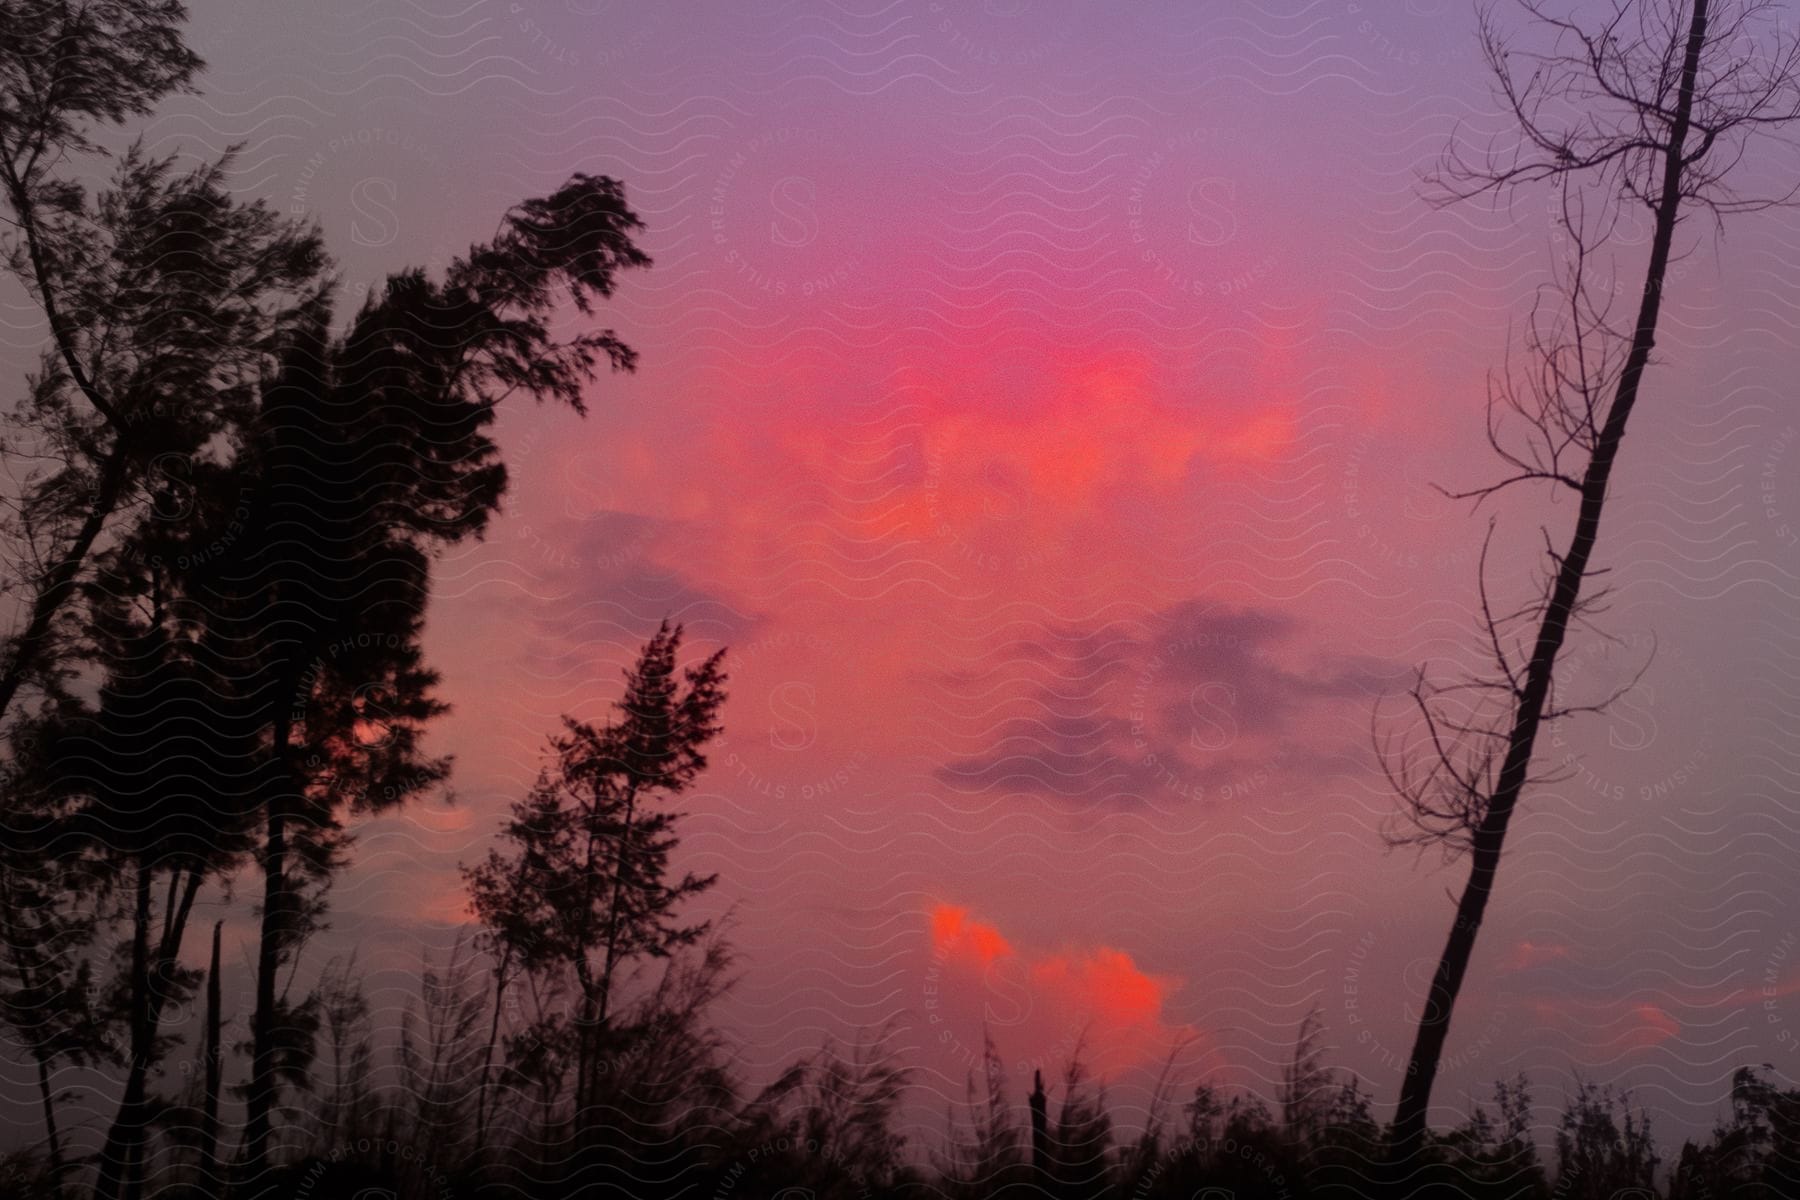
1043,1008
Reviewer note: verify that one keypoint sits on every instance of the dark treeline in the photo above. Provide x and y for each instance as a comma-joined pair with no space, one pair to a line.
652,1108
228,493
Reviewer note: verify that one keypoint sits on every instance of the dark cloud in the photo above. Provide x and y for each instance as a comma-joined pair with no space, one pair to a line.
599,587
1203,709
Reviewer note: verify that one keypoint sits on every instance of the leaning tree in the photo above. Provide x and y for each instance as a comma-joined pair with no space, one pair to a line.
1650,105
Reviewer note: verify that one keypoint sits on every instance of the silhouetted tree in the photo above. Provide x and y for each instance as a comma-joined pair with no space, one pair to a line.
212,1069
163,297
256,620
286,527
824,1127
1652,105
661,1108
1039,1105
1081,1141
440,1054
987,1155
1307,1087
1495,1155
373,453
165,300
165,770
1603,1149
1755,1153
346,1100
1141,1158
49,988
581,884
326,607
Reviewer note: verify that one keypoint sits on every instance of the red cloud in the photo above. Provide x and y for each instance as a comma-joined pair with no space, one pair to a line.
950,926
1041,1008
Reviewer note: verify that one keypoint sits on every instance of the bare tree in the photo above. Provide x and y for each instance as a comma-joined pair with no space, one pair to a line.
1653,104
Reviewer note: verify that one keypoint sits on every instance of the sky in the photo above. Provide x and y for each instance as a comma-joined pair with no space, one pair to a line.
1044,402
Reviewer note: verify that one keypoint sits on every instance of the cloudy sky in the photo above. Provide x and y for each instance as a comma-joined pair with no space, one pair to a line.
1043,401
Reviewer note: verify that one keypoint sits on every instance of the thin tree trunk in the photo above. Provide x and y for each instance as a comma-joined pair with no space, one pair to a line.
1040,1131
1490,835
597,995
13,938
214,1067
259,1100
584,1058
487,1060
51,1137
151,973
612,917
119,1154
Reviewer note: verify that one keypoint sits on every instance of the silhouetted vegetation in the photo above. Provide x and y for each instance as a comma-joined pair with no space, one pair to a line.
225,565
667,1116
